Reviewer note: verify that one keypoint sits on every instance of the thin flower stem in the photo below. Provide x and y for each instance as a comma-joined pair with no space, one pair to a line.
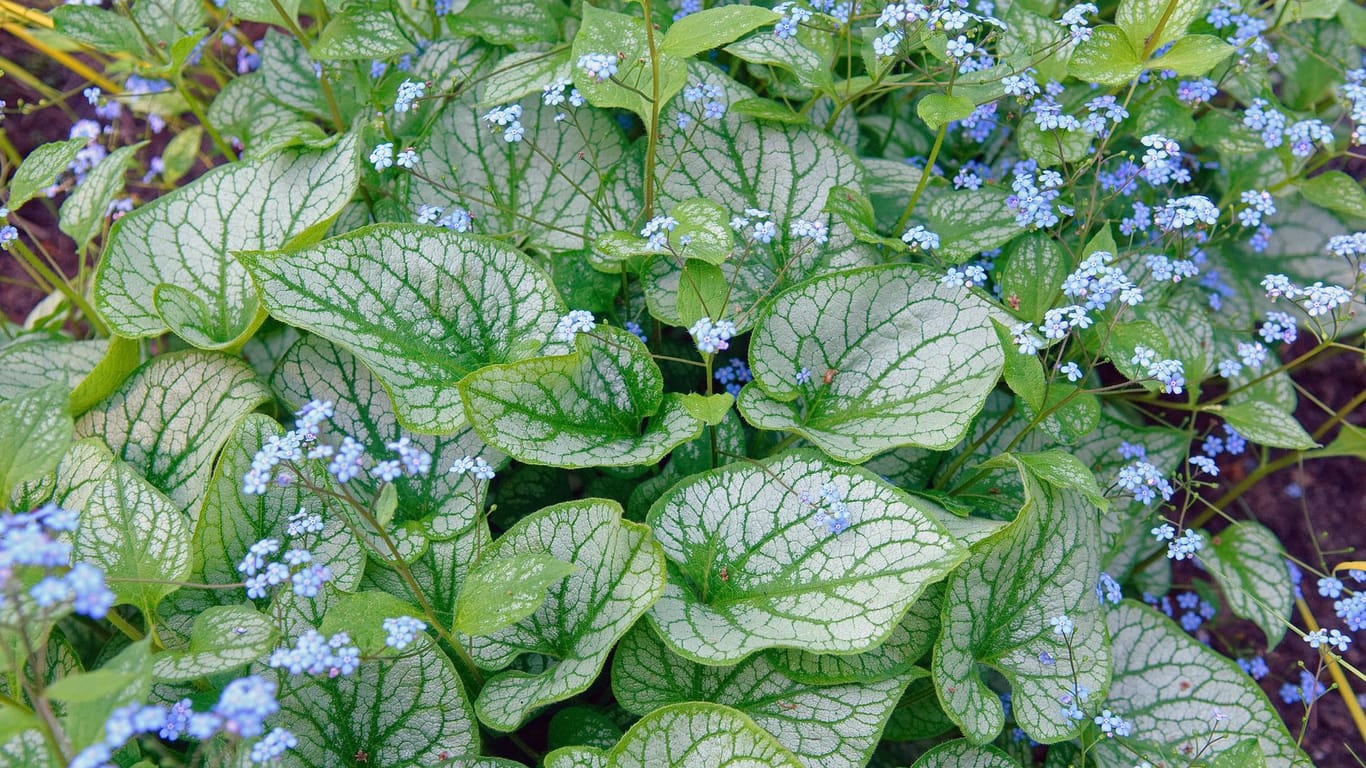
1348,697
653,141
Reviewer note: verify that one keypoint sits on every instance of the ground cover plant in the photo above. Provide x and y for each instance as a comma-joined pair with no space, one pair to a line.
828,384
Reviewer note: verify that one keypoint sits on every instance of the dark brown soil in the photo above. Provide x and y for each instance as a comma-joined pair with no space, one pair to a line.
1318,510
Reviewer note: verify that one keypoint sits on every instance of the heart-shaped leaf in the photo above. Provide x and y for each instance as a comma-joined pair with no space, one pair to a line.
170,418
834,726
421,307
998,612
1183,698
128,528
893,357
603,405
619,574
560,195
753,566
184,238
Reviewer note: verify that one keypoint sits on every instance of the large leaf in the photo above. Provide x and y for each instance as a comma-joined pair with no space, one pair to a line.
564,184
692,735
713,28
436,505
739,163
833,726
421,307
913,361
603,405
1266,424
753,567
1170,687
183,239
410,710
225,638
361,32
970,221
170,418
128,528
1249,563
620,573
35,431
998,610
31,363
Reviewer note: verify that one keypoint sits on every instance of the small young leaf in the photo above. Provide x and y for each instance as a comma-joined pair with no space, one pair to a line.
1193,55
361,616
938,109
709,409
702,292
623,36
713,28
105,31
84,209
501,592
1034,268
1249,563
86,687
40,170
703,230
1336,191
1141,19
225,637
1265,424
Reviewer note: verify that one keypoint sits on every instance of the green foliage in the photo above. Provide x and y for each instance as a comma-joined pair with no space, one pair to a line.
830,375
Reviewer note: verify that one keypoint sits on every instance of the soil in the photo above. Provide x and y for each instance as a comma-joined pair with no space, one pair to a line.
1318,510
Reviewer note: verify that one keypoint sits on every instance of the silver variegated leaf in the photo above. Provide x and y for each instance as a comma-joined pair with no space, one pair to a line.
1183,699
560,195
420,306
619,574
909,361
998,610
184,238
225,638
692,735
830,726
603,405
410,710
171,416
754,566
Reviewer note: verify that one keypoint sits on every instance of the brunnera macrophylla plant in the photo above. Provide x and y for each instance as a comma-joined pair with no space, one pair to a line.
677,384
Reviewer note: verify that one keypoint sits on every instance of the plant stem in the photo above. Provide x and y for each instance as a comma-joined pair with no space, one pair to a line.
298,32
653,140
75,297
1334,671
199,114
924,179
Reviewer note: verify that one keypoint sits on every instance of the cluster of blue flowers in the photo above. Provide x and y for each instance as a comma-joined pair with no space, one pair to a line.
315,654
712,336
346,461
240,713
400,632
35,545
295,565
829,507
733,375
